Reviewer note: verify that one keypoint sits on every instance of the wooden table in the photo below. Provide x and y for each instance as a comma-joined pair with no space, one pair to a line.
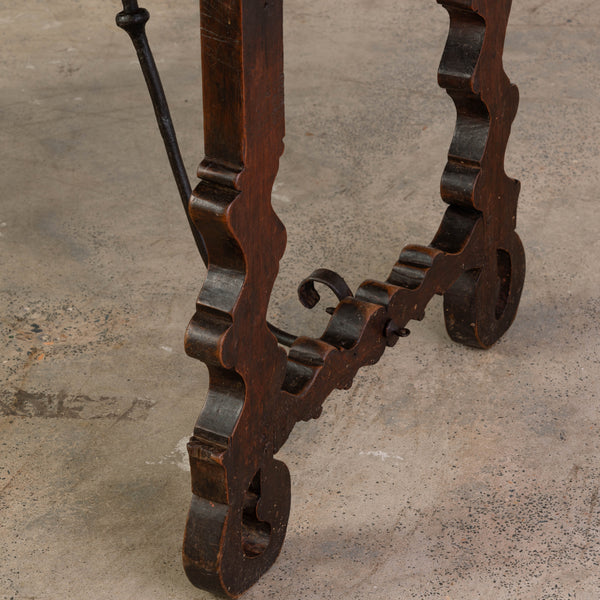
264,380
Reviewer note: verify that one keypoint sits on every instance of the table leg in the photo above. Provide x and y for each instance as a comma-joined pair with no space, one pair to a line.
241,493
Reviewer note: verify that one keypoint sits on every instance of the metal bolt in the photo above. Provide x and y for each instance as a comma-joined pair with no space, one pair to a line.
393,333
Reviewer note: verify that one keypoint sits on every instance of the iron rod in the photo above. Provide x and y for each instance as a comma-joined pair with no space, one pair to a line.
133,20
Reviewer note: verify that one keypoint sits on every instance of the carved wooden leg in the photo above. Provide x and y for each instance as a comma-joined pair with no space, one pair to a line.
481,305
241,493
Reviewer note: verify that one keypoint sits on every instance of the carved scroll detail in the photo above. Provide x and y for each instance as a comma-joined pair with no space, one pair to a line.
241,493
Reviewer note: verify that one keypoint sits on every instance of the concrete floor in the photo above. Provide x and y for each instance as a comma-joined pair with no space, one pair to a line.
445,472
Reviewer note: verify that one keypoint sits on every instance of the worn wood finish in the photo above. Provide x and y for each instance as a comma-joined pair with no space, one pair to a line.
241,493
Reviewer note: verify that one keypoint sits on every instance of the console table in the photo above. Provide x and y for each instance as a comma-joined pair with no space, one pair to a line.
262,379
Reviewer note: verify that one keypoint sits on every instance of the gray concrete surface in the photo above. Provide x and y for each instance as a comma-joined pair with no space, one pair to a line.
445,472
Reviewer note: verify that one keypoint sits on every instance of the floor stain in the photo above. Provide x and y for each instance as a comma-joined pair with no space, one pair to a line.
63,406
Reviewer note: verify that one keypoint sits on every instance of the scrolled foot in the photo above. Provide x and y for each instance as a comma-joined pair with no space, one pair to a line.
482,304
235,529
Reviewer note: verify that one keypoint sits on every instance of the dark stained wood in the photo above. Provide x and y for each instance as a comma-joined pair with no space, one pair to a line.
241,493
